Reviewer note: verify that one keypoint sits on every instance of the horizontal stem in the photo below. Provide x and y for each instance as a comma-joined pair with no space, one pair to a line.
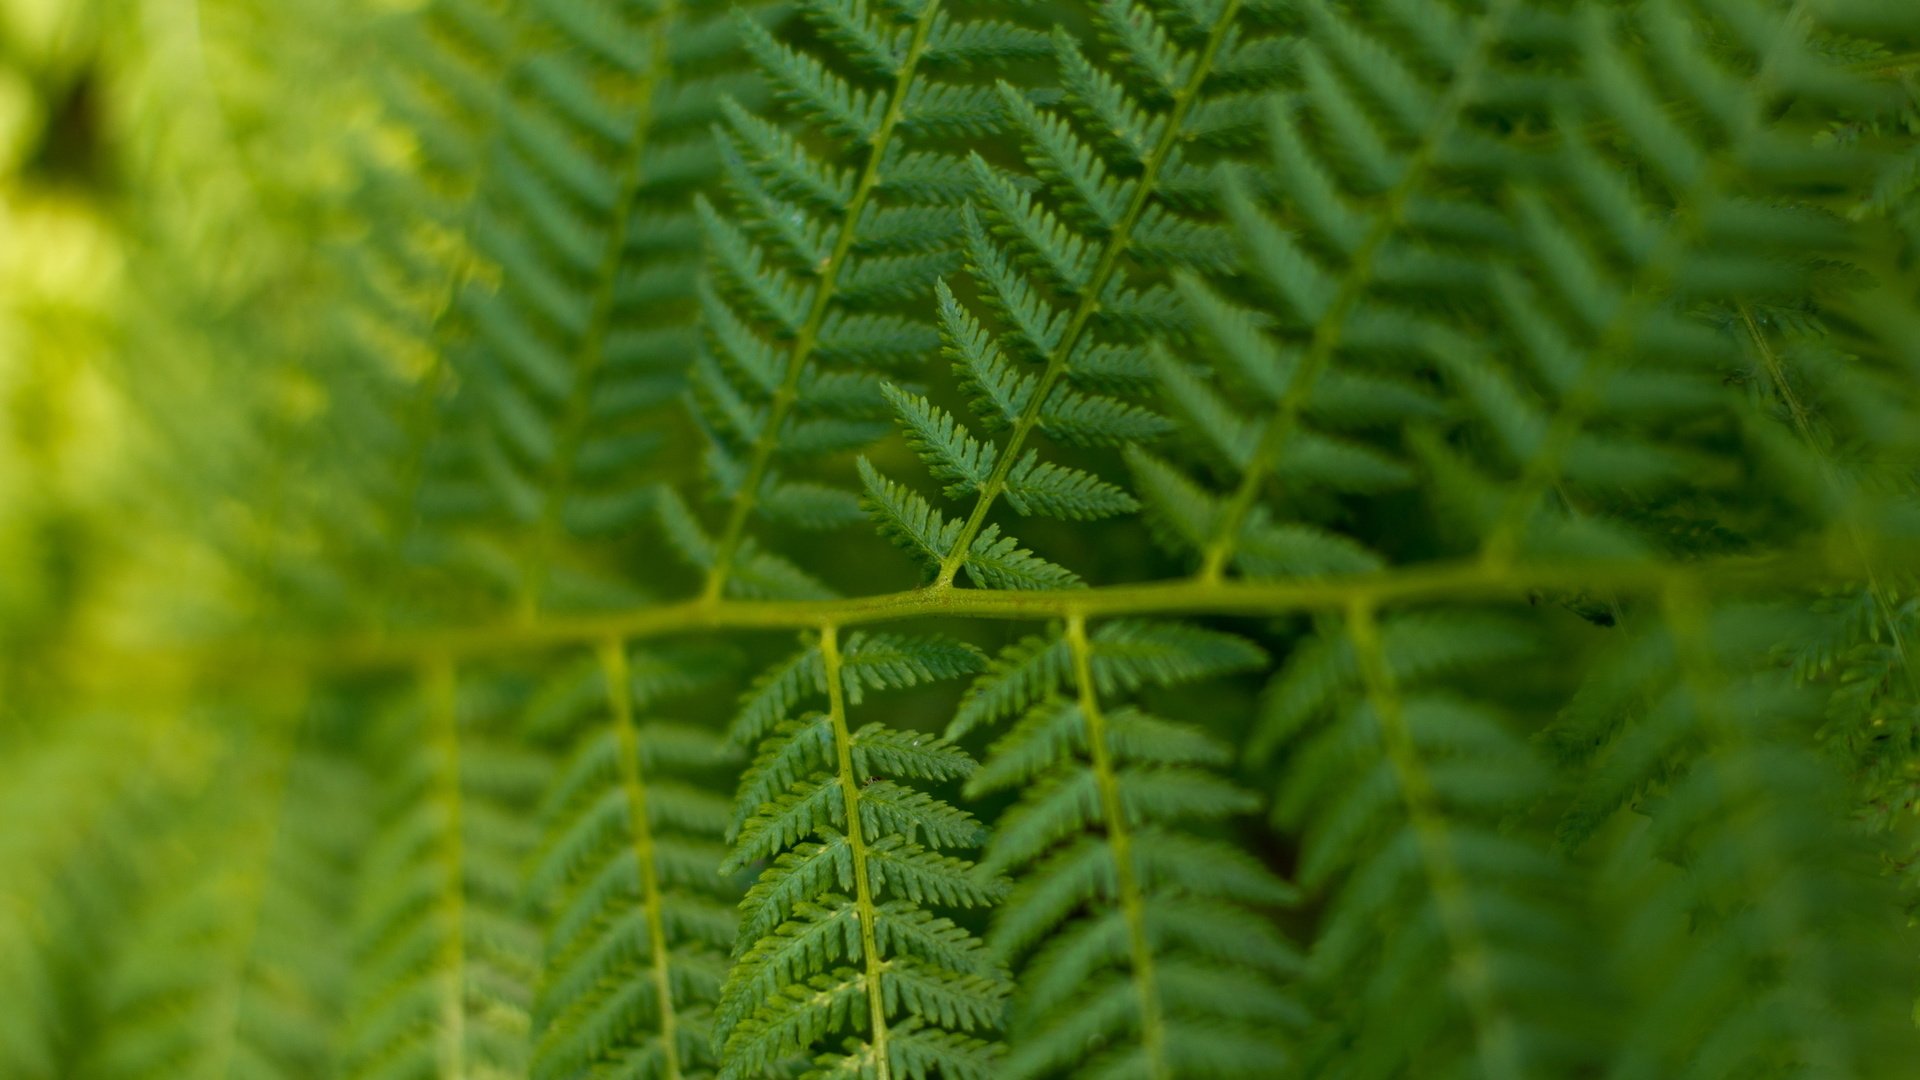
1453,580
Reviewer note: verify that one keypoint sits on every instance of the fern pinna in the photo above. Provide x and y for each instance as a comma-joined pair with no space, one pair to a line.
1411,793
1069,260
576,326
1140,938
831,240
1383,174
838,952
1422,490
445,959
1703,721
639,917
839,958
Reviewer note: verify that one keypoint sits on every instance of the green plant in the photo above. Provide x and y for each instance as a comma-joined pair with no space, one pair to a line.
1421,494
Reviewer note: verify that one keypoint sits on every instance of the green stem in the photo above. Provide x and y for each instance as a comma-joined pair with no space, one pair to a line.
1819,561
1493,1031
1089,303
590,352
613,667
1113,811
805,341
864,908
1327,329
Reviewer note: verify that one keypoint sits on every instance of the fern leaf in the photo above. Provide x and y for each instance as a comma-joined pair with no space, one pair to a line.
1094,294
836,937
880,239
950,453
641,921
446,961
582,342
1101,789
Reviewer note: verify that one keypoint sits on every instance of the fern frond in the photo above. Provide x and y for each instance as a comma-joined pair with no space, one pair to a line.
1112,882
835,937
1532,383
1071,267
640,919
580,337
445,959
812,260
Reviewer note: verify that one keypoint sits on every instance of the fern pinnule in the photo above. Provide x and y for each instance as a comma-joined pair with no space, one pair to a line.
1133,933
838,954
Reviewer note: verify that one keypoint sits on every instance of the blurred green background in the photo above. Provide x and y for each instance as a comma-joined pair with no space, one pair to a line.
164,207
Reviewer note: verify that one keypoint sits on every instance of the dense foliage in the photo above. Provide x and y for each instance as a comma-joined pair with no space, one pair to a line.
959,538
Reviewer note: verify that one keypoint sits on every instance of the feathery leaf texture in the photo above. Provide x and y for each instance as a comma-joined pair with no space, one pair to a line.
1709,730
1137,933
1421,495
1072,260
1383,167
639,919
577,336
445,958
840,958
836,228
1407,793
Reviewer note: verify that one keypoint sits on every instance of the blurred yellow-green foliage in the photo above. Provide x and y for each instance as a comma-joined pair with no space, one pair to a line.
161,199
167,198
